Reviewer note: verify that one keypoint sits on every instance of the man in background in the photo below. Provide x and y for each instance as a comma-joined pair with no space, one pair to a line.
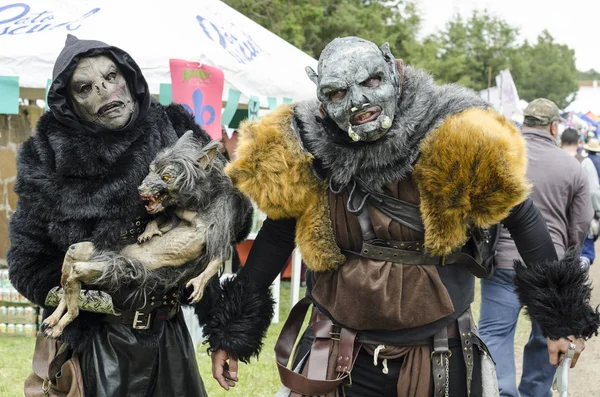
561,194
570,140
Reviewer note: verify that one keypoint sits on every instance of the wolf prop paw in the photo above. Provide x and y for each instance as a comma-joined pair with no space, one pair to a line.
67,309
198,284
152,230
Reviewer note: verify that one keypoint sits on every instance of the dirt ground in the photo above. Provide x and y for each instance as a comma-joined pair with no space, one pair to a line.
584,380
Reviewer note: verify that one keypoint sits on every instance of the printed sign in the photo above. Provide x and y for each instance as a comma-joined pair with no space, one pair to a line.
233,39
199,88
20,18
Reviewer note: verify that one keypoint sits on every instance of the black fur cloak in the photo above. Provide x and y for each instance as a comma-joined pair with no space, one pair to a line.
78,182
73,186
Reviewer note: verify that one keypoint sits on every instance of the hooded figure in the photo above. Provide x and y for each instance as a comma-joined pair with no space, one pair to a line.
77,180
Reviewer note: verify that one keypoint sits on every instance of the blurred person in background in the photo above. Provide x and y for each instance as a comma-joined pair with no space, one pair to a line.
561,194
570,140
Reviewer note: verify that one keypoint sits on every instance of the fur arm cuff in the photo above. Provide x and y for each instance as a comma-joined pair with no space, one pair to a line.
557,296
235,316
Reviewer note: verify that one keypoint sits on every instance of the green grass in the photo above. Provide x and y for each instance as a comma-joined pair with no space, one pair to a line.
258,379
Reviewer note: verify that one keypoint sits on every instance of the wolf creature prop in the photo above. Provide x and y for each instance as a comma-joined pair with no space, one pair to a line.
196,206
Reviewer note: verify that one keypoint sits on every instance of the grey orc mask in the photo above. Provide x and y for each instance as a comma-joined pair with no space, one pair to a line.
99,93
358,85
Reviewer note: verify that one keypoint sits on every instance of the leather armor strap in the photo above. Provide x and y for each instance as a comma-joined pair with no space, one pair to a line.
388,205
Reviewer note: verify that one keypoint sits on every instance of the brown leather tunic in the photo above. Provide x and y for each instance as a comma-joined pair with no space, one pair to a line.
366,294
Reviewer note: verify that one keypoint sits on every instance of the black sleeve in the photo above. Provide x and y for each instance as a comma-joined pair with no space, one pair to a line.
34,261
270,251
528,229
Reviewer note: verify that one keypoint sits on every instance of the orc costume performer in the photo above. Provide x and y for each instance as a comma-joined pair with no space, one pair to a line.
387,184
78,179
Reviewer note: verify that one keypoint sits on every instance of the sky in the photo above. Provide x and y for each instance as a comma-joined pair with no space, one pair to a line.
575,23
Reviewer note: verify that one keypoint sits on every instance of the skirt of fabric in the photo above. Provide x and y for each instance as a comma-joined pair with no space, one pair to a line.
121,361
370,380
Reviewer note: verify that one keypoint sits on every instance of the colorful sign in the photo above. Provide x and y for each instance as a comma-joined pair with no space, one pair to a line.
199,88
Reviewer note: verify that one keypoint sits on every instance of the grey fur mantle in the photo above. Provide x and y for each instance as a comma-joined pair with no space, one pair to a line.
422,107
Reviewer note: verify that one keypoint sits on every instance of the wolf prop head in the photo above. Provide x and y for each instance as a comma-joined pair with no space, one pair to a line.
179,175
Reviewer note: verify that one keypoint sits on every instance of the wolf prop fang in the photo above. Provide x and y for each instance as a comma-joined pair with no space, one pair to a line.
180,191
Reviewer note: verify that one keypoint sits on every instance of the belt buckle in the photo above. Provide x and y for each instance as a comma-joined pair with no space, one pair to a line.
335,335
137,320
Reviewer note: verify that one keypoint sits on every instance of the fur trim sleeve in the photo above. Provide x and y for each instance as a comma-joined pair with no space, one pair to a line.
471,171
272,168
557,296
235,316
34,262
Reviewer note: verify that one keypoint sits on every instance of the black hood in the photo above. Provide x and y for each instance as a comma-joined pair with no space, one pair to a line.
75,49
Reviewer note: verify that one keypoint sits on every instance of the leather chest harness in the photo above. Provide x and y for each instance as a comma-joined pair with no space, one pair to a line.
334,348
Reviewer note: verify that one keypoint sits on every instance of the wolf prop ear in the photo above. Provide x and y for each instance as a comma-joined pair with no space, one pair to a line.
312,75
186,139
208,153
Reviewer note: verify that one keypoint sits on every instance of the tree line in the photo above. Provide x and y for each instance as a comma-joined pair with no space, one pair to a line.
466,50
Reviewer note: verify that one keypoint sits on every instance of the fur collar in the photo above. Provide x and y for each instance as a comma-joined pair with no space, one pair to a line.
422,107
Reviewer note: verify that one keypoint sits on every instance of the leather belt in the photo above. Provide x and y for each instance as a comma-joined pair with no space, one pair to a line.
396,255
142,320
417,257
158,309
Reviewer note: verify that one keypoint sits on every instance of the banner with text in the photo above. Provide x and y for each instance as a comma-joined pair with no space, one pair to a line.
199,88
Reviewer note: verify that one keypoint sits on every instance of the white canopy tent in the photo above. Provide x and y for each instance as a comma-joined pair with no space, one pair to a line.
255,61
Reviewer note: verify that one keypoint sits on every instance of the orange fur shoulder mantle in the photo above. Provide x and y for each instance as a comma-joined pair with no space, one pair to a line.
471,171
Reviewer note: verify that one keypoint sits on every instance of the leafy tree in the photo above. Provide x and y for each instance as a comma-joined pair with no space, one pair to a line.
546,70
468,49
311,24
589,75
464,51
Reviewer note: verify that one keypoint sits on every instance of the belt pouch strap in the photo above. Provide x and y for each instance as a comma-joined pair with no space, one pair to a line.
346,351
283,349
320,351
440,360
467,339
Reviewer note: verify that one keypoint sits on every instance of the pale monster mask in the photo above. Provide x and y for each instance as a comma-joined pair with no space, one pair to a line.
358,85
99,93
